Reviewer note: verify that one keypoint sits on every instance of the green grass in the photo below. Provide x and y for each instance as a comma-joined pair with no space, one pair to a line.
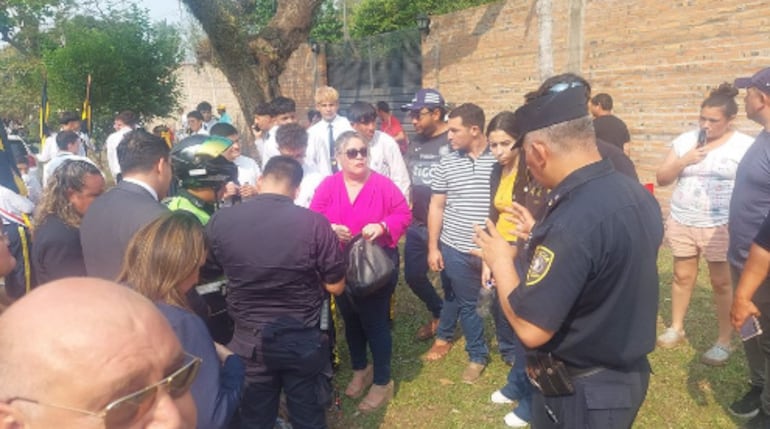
683,392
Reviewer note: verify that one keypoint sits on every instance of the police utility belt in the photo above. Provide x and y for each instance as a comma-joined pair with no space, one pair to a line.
552,377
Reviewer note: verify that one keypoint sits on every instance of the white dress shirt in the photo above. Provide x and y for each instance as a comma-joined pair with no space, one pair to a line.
318,142
385,158
113,141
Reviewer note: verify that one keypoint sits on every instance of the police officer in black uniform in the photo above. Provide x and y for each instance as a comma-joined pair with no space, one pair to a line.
583,293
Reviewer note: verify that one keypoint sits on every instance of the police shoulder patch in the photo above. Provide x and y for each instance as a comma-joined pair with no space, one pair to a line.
541,263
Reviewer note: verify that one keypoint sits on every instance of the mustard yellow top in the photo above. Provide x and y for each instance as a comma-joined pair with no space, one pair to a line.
503,200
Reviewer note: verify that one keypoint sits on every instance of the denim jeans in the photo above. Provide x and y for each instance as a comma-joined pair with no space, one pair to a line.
296,364
416,268
507,341
366,321
461,278
518,387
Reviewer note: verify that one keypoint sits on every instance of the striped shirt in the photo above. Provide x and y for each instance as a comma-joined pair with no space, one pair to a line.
465,182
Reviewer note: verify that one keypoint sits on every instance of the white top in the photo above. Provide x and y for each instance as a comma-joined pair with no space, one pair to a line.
50,148
318,142
702,194
34,188
113,141
14,203
269,147
248,170
385,158
311,178
58,160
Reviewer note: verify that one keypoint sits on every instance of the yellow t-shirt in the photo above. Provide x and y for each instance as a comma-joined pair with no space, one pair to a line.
503,200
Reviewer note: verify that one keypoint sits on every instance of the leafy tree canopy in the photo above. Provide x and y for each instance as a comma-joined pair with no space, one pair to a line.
372,17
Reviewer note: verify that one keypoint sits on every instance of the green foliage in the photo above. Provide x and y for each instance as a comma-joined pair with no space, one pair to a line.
20,86
327,25
379,16
131,61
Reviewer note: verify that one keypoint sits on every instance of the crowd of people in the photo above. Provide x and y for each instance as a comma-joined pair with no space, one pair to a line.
208,288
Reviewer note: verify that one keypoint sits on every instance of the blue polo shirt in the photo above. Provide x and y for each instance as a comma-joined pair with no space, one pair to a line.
589,270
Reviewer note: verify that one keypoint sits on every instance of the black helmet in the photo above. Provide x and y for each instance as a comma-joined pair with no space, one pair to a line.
198,163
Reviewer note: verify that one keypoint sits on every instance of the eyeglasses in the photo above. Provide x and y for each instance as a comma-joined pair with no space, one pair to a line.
123,411
353,153
561,86
418,114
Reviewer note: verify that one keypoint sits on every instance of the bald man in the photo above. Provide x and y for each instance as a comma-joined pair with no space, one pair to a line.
64,367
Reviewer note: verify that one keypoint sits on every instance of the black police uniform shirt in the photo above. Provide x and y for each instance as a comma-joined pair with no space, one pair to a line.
422,157
592,276
276,257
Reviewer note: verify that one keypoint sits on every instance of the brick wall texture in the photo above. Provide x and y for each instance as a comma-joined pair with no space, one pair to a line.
657,58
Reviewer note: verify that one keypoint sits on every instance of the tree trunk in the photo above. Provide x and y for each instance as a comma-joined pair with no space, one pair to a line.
545,39
253,64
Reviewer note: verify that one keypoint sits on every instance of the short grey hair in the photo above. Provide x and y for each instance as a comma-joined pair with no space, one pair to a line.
569,136
341,144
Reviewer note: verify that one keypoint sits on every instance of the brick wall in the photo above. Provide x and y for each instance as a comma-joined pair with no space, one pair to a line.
657,58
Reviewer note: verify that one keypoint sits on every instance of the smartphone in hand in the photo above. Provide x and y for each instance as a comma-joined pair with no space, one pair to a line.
750,329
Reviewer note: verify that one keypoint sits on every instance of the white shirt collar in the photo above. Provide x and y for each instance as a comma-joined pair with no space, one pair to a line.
143,185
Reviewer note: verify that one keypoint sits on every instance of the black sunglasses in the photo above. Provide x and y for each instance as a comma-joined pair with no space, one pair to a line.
353,153
122,411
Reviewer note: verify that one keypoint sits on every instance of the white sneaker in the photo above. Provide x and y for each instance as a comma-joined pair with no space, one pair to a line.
514,421
498,398
670,338
716,355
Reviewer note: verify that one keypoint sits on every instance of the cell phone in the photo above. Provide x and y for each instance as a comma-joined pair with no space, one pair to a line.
702,137
750,329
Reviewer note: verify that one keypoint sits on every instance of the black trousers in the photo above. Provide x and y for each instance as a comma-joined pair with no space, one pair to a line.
296,362
604,400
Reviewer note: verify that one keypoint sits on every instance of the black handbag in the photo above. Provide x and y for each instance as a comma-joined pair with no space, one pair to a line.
369,267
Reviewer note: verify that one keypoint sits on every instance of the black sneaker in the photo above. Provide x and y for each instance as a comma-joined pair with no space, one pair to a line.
760,421
748,405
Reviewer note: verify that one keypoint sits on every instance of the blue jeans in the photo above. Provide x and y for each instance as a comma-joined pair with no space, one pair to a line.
507,341
366,321
518,387
416,268
461,278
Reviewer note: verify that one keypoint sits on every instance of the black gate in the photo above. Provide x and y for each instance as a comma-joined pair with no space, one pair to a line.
386,67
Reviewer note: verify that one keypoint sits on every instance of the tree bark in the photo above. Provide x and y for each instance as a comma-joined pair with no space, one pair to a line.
252,64
545,43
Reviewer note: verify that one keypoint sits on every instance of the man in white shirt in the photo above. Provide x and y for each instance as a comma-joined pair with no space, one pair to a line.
69,144
209,120
248,169
69,121
284,112
124,122
260,127
292,142
324,133
384,153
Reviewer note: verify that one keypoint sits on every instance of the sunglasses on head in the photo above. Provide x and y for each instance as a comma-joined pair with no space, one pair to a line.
562,86
353,153
121,412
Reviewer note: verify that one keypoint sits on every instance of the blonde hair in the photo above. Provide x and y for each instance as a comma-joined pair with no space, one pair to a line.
326,94
163,254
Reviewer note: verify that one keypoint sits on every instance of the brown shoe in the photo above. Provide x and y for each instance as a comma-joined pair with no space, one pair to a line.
428,330
377,397
438,351
473,372
360,381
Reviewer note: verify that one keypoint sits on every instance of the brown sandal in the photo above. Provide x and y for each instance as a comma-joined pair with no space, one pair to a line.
360,381
377,397
428,330
438,351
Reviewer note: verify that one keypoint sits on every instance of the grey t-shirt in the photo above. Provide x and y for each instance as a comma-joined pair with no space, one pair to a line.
750,201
